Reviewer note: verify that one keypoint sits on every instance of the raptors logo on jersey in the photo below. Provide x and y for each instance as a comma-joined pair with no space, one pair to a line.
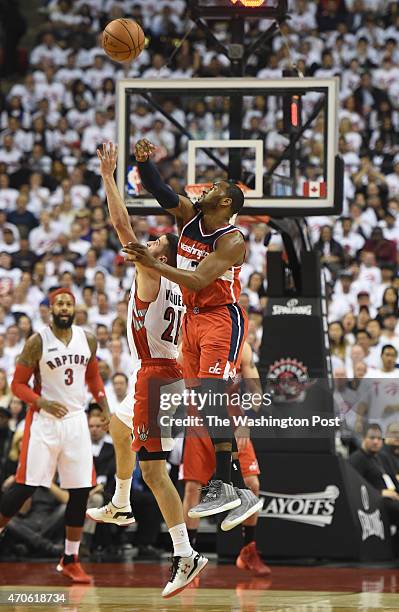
61,376
194,246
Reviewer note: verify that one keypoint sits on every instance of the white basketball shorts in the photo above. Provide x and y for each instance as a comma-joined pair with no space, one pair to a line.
49,445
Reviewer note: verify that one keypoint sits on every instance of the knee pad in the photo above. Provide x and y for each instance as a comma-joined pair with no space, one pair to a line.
75,511
14,498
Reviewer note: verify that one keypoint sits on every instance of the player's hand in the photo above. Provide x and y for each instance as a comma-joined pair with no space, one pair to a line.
108,156
143,150
242,435
55,408
137,253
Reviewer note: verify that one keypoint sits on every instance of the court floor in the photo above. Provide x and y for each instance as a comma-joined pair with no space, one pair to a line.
131,587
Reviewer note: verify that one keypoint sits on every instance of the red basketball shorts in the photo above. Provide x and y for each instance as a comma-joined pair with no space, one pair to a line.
141,410
213,339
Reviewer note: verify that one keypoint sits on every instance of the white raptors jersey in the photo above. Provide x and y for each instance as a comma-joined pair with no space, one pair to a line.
153,327
62,369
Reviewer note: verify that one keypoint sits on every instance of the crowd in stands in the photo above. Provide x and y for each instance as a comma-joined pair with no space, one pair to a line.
54,226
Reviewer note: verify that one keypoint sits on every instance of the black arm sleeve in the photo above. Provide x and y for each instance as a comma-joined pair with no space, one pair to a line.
154,184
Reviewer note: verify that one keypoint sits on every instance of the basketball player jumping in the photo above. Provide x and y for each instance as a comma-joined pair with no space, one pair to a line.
198,465
154,317
62,358
209,257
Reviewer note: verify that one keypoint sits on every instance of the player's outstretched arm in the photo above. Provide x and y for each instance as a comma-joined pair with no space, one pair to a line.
116,206
95,382
230,249
179,206
26,364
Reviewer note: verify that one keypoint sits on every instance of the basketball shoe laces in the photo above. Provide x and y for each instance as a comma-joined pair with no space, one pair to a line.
174,568
211,490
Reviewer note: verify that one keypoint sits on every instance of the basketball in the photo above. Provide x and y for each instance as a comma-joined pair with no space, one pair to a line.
123,40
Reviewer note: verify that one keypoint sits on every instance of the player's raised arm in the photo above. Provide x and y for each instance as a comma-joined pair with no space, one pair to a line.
26,364
230,251
179,206
116,206
119,215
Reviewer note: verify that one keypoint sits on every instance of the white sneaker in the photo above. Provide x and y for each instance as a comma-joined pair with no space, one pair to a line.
111,514
184,570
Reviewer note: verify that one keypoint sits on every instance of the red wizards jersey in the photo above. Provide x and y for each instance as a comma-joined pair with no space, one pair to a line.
194,245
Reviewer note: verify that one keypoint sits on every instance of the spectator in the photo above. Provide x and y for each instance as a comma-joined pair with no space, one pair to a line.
372,357
368,462
384,250
388,334
120,383
338,344
39,523
390,300
17,410
331,252
43,237
103,453
255,291
120,361
5,440
5,393
390,449
104,464
13,343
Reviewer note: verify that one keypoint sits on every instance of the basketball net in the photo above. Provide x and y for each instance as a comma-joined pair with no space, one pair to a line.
195,191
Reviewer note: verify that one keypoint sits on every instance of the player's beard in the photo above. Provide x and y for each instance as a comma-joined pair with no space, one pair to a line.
62,323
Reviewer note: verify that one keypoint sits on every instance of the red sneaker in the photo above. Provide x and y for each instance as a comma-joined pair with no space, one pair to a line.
74,571
249,559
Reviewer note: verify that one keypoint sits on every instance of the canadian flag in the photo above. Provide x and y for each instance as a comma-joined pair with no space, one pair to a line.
314,189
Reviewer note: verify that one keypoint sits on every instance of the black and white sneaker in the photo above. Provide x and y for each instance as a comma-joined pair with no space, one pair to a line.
217,496
183,571
111,514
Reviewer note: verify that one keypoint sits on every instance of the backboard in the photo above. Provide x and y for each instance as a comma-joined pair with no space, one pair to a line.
278,137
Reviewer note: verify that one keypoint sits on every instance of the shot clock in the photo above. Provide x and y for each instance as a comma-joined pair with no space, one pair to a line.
231,8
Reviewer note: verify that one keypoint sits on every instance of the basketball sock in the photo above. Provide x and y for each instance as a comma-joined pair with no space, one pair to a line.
192,536
223,466
121,497
236,475
248,533
181,543
71,547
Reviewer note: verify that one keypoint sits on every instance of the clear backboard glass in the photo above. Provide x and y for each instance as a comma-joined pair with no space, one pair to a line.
277,137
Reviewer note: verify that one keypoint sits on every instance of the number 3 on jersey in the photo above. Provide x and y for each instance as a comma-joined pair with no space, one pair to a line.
173,317
68,376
